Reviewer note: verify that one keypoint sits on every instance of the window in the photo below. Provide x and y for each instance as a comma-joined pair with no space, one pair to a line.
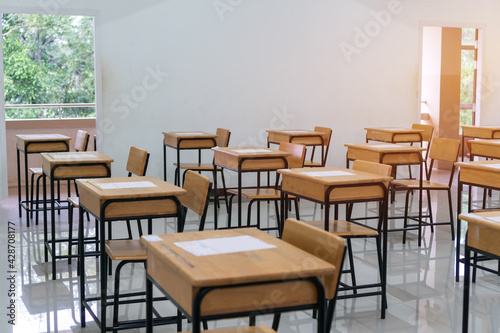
48,66
468,77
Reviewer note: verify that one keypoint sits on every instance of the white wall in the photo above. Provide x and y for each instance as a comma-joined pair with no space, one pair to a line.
262,60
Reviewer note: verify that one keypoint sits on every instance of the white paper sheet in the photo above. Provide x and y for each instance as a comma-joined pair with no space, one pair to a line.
152,238
251,150
494,166
328,173
71,156
384,146
122,185
223,245
296,132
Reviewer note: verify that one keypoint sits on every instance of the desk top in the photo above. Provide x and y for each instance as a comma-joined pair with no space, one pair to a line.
384,147
484,131
42,142
250,158
394,130
486,142
295,132
249,152
394,134
483,231
334,175
490,165
282,261
129,187
75,157
42,137
189,139
487,218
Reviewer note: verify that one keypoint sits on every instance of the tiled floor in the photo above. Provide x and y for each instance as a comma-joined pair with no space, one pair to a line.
422,293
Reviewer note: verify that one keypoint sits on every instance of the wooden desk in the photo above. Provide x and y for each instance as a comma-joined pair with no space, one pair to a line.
235,284
247,159
485,148
479,132
483,174
392,154
333,185
185,141
121,198
483,236
35,144
67,166
394,134
303,137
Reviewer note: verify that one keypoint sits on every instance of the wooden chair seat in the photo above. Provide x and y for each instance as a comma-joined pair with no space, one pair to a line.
126,249
344,228
248,329
312,164
414,184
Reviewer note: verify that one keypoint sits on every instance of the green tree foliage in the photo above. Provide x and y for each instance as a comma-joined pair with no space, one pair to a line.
48,59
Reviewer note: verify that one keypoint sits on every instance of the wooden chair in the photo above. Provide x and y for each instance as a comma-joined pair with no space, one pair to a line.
223,136
326,145
324,245
428,130
441,149
137,164
295,160
81,144
132,250
351,227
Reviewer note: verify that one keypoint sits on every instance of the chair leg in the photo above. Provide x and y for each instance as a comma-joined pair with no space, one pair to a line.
276,321
229,214
37,197
405,225
225,191
296,201
450,207
70,231
351,265
129,229
31,203
429,204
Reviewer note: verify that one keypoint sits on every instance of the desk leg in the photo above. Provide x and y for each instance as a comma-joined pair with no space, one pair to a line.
45,231
239,198
216,198
53,228
459,227
19,184
81,265
104,273
149,305
465,305
164,162
26,188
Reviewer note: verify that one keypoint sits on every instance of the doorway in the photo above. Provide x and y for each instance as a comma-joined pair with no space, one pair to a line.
450,72
65,105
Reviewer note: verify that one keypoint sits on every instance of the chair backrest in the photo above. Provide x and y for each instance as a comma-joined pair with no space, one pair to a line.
320,243
443,149
223,136
298,151
197,189
82,140
447,150
137,162
427,131
372,167
326,139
